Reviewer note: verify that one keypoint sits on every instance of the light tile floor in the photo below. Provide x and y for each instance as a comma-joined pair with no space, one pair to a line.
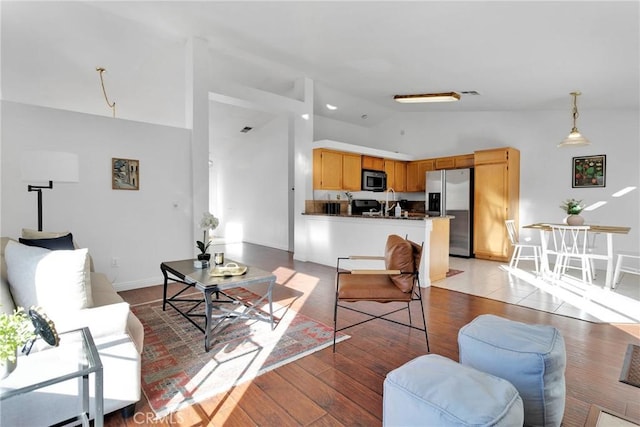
568,297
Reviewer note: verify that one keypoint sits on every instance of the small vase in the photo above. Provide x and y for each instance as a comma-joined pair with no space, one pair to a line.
575,220
204,257
7,366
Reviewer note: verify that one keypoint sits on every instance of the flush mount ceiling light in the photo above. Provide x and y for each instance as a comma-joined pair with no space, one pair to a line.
575,138
427,97
331,107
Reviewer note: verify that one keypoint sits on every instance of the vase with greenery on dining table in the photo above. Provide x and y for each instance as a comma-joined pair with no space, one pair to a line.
573,208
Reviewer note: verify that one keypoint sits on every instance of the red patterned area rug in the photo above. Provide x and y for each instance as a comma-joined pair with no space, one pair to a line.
177,372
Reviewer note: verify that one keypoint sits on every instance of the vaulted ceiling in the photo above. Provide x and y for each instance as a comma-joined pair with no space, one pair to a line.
518,55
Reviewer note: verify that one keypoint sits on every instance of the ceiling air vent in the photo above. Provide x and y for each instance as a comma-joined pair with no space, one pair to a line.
246,129
469,92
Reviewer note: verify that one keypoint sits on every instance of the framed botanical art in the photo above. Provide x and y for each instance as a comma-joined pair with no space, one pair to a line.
589,171
125,174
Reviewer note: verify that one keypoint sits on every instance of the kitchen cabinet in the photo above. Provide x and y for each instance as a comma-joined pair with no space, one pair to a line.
351,172
335,170
396,174
496,199
445,163
464,161
416,174
373,163
401,176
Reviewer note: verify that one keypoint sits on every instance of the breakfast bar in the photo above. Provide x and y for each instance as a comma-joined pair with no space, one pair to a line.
334,236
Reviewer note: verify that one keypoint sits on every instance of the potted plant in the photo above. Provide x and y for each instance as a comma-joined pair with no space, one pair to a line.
15,331
573,208
208,222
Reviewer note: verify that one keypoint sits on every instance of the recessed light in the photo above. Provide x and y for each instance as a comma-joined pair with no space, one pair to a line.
305,116
427,97
331,107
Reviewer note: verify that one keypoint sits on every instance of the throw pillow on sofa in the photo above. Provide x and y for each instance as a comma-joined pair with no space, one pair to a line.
28,233
56,243
58,281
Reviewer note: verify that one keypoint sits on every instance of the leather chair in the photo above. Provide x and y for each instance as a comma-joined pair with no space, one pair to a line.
397,283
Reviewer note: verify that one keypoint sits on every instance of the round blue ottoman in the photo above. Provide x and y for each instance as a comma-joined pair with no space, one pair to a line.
432,390
531,357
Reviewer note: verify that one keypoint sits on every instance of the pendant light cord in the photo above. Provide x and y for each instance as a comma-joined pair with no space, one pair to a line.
111,105
575,110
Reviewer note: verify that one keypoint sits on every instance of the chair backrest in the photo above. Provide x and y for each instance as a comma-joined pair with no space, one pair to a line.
405,257
569,239
511,231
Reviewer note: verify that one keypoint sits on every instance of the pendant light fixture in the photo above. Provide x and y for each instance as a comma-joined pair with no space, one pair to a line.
575,138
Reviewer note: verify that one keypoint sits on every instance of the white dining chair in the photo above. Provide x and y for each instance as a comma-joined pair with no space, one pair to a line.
570,243
520,249
622,268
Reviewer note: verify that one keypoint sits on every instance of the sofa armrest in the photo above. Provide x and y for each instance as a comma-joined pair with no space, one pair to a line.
102,321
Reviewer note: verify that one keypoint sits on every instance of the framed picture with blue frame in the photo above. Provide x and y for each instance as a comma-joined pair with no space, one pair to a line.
589,171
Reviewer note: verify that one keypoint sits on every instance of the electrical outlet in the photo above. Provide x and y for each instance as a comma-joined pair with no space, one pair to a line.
115,262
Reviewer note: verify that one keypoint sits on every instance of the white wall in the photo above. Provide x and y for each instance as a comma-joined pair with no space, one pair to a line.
545,170
38,69
141,228
251,179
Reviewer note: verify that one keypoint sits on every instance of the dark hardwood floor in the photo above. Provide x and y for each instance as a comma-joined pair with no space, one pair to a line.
345,388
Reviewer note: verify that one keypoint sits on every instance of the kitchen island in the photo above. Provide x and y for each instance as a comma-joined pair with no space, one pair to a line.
333,236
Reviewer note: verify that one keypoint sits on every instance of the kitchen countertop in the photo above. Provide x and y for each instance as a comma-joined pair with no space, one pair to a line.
412,217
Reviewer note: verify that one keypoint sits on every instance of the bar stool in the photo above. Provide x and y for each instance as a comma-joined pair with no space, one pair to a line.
624,269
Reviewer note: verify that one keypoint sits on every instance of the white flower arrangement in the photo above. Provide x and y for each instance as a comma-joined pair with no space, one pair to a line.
208,222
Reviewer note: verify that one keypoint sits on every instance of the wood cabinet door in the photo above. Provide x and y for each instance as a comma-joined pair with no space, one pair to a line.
416,174
445,163
413,182
491,210
330,164
390,169
373,163
400,176
464,161
351,172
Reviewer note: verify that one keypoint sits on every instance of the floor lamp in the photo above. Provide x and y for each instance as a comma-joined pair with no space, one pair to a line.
48,166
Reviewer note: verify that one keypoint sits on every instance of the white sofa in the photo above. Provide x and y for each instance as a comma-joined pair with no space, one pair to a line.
118,335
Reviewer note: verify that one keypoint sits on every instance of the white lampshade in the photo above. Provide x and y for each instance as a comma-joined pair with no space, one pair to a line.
45,166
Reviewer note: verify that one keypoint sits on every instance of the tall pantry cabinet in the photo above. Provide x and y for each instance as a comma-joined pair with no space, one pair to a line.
496,199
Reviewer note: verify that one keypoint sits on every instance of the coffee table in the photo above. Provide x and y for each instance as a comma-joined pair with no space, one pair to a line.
186,273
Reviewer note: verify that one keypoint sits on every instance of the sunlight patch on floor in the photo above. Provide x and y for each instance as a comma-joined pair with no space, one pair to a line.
605,305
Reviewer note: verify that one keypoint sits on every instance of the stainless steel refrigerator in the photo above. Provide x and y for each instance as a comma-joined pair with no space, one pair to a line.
450,192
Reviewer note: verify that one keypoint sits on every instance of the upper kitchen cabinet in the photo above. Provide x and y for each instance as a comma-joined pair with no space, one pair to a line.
416,174
445,163
464,161
496,199
335,170
351,172
373,163
396,174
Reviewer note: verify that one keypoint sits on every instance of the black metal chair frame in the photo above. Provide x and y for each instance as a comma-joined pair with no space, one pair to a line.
415,296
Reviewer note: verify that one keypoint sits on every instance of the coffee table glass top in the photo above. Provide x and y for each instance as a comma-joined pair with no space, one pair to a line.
202,278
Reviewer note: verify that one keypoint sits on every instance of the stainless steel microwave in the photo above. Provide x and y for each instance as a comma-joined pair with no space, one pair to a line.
373,180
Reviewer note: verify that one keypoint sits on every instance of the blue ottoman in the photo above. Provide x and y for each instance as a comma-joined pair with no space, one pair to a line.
432,390
531,357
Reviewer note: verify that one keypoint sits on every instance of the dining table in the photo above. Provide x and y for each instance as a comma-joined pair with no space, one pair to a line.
595,229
